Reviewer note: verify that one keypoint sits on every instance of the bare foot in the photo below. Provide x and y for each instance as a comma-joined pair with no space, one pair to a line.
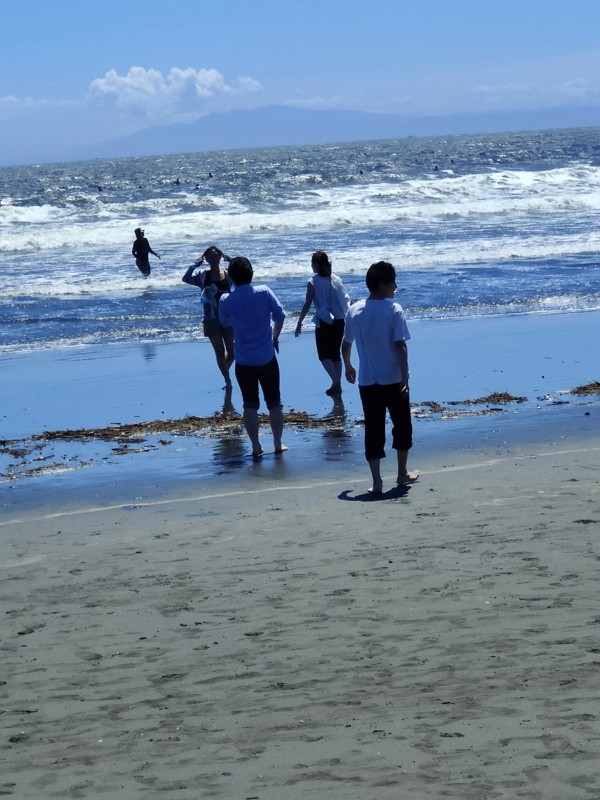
281,449
377,488
408,477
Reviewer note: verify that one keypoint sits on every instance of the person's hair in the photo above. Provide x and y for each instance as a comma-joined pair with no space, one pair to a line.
322,263
381,272
212,249
240,270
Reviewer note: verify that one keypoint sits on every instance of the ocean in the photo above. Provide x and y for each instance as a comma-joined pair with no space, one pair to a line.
483,225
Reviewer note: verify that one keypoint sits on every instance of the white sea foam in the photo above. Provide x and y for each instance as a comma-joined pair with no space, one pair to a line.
501,195
67,278
489,235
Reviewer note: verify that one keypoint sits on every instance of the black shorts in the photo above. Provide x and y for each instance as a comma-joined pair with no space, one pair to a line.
329,340
249,378
376,401
213,328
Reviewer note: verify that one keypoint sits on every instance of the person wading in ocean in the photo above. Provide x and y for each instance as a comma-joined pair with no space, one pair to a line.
140,250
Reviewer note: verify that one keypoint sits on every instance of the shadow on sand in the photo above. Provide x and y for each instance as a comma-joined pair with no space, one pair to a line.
369,497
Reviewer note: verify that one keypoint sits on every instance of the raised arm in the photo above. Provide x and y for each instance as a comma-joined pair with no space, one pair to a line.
194,280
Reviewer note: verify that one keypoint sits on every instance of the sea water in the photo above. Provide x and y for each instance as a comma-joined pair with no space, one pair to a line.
477,226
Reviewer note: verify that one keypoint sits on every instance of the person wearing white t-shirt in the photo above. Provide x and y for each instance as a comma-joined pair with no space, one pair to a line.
327,292
378,326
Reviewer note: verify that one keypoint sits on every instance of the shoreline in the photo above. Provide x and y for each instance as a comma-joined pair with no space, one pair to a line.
66,474
453,363
58,472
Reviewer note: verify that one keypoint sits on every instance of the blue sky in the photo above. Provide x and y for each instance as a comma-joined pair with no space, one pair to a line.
74,72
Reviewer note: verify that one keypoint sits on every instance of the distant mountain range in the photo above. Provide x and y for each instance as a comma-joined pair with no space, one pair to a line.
273,126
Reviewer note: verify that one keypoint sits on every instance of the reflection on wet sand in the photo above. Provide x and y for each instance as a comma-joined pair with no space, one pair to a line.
36,455
229,444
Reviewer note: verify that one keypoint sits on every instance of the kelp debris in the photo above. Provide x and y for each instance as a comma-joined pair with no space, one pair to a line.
589,388
431,405
134,433
496,398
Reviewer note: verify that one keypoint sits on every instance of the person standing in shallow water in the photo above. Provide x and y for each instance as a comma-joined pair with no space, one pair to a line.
250,310
378,326
331,302
140,250
214,283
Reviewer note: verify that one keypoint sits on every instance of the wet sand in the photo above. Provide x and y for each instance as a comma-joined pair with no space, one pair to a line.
537,359
184,622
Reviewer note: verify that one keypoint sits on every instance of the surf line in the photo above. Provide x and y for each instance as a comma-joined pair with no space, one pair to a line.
287,487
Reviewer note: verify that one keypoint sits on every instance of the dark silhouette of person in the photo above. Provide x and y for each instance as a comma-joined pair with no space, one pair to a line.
140,250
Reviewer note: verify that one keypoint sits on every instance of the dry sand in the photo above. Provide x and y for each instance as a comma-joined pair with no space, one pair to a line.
290,637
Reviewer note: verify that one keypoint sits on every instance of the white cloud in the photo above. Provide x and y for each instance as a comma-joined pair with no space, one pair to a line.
149,94
578,91
11,106
532,95
318,102
248,84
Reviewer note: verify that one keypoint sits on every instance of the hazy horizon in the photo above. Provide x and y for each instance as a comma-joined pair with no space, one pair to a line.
74,79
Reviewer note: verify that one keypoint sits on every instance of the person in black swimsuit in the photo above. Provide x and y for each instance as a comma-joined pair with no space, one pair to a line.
214,282
140,250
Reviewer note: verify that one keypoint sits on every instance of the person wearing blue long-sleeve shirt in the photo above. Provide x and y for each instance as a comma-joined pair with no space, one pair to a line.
256,316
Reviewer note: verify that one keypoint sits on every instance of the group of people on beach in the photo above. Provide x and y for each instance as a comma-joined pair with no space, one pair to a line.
243,323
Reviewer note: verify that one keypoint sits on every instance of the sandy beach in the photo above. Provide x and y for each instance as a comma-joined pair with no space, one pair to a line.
181,622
